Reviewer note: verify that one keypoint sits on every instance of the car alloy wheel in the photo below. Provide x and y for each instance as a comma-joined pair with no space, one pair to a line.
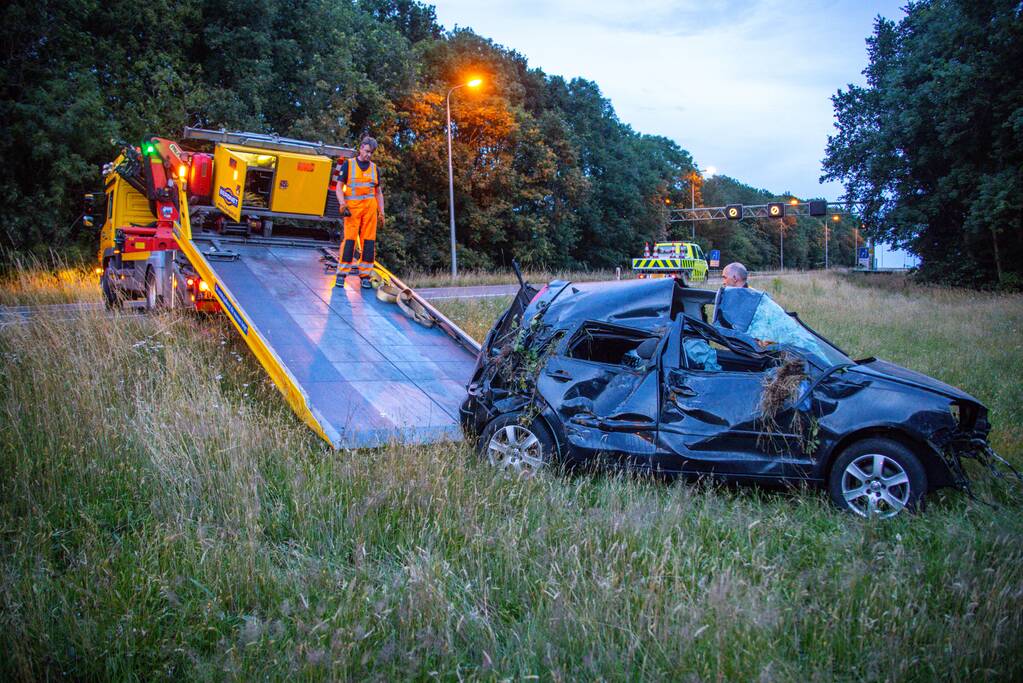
875,485
516,449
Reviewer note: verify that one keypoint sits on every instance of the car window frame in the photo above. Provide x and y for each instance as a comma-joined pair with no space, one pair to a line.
568,339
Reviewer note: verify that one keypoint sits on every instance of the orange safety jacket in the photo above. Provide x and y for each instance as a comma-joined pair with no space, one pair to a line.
361,185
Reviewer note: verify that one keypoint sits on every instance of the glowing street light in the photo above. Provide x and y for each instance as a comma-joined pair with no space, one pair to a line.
474,83
710,171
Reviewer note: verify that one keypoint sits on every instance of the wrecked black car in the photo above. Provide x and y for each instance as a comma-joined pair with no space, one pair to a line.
652,375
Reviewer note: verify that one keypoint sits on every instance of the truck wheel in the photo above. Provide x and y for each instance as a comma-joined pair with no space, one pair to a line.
152,297
112,299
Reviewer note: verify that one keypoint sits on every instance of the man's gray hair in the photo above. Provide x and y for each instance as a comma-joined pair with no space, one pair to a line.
738,270
369,141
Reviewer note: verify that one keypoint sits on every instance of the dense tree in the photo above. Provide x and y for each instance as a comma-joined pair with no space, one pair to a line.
934,143
544,170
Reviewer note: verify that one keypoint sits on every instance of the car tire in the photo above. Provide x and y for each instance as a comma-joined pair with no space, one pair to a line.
112,299
515,448
877,478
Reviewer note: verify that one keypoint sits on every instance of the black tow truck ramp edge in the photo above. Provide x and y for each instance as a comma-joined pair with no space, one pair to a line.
354,368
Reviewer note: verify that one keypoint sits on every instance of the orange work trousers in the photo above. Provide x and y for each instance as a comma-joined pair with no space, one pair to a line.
361,226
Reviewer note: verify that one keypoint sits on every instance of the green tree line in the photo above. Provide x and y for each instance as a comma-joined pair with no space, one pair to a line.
544,170
933,144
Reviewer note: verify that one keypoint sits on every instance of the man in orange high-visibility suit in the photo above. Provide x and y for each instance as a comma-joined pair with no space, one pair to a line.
361,201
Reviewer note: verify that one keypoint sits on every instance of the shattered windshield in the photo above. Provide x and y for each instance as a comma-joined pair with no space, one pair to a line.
756,314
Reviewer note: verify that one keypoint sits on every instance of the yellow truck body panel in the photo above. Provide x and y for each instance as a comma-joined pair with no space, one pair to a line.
300,183
229,170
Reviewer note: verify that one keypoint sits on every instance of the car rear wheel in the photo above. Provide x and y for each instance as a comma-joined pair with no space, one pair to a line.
877,478
515,448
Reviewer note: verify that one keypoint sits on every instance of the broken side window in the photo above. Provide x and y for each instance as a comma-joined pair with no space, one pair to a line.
755,314
704,348
611,345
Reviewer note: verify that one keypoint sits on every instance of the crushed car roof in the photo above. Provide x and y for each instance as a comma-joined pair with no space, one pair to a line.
645,304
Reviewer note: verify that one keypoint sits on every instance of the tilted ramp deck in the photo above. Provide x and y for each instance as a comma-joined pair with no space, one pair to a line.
355,368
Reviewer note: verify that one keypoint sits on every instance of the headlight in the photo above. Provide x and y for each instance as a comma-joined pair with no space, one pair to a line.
965,414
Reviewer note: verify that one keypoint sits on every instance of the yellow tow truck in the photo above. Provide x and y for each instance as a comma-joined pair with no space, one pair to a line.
249,224
682,260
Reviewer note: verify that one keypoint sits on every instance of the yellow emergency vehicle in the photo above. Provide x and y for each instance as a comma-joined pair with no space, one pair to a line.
683,260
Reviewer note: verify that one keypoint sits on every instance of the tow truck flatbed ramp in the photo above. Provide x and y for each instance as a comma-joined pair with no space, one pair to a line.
355,368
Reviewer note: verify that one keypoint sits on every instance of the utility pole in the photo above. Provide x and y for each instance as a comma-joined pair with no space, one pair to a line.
781,243
451,192
697,173
692,202
825,245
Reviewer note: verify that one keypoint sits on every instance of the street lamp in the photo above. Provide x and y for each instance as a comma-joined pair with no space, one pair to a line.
835,218
710,170
474,83
781,236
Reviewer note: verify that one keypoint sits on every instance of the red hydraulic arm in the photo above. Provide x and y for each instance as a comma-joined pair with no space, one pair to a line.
164,164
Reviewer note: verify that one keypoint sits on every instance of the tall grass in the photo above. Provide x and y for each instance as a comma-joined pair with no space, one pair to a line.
28,280
164,516
468,278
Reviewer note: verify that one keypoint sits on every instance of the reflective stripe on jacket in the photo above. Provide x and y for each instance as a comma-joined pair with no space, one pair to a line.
361,184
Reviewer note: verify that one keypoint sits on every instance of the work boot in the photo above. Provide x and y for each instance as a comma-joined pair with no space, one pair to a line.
366,283
339,281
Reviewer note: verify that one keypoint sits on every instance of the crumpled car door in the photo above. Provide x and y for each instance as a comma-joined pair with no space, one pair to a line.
605,409
710,421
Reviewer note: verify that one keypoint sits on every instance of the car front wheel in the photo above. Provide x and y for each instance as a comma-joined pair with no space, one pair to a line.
877,478
516,448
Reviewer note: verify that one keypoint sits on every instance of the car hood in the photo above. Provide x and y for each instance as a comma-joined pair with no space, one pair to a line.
901,375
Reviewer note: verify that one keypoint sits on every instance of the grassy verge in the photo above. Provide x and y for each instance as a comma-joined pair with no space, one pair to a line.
26,281
164,516
498,277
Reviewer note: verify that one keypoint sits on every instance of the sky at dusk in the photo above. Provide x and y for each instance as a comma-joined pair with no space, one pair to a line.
744,85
